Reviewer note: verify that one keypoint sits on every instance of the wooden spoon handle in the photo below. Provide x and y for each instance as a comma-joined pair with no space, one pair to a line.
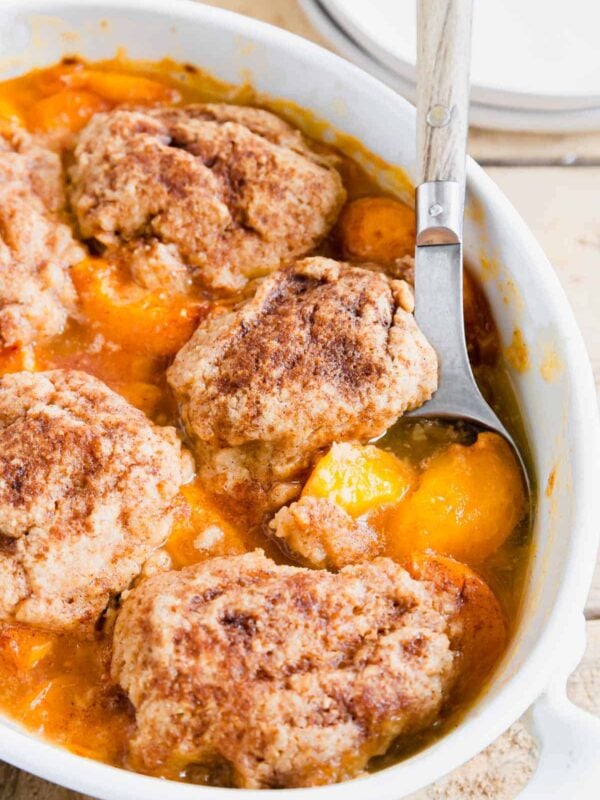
443,59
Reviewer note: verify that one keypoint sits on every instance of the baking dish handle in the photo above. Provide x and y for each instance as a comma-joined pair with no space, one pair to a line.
569,749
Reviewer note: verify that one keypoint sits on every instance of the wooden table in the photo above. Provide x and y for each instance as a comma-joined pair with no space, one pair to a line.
554,183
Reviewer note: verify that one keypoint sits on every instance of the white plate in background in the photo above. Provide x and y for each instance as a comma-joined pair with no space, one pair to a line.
530,54
483,115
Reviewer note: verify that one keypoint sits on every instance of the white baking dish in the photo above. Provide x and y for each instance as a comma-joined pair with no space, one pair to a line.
560,412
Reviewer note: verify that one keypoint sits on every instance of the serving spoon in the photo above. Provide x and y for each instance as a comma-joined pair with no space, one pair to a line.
443,60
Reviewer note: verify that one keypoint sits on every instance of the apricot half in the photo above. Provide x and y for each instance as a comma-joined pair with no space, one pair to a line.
201,530
24,647
152,322
145,396
466,504
359,478
120,87
377,229
9,112
17,359
478,627
68,110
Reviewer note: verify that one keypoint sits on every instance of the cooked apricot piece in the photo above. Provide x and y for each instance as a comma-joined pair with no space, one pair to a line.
68,110
147,321
53,79
102,742
62,706
49,699
201,530
9,111
24,647
17,359
359,478
145,396
119,87
480,632
467,502
376,229
68,697
86,350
